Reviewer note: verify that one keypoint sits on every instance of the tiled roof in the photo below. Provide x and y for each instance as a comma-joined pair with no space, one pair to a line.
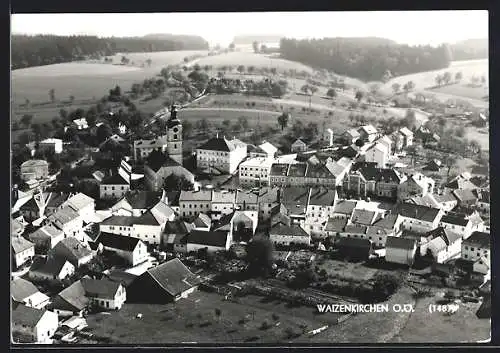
447,235
388,222
47,231
445,197
345,207
21,289
80,201
268,148
465,195
63,216
202,220
246,197
177,227
100,288
35,163
478,238
353,133
369,129
364,217
77,249
318,171
72,298
146,219
158,160
294,231
400,243
140,199
354,243
162,212
122,277
279,169
210,238
370,172
117,241
322,197
336,225
201,195
297,170
405,131
223,197
455,218
355,228
50,266
174,277
422,213
25,315
19,244
115,179
217,144
114,220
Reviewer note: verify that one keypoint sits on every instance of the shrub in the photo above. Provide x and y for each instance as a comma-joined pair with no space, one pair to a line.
275,317
265,325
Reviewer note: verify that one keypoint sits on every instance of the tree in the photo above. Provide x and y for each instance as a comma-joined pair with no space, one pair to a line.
331,93
260,256
410,120
255,45
273,70
449,162
103,132
387,76
149,61
283,120
447,77
27,102
439,80
243,122
27,119
52,95
458,76
359,96
396,87
174,182
231,46
241,69
71,99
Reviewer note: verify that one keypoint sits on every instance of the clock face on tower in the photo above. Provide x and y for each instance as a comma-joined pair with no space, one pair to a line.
176,129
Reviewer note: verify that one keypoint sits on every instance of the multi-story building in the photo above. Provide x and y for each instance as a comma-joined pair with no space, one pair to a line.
52,144
192,203
142,148
34,169
220,155
223,203
114,187
368,133
419,219
69,221
476,247
159,167
255,171
378,154
265,150
299,146
415,185
320,208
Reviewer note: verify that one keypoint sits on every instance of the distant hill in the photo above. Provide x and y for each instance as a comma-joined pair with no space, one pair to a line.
184,38
249,39
28,51
470,49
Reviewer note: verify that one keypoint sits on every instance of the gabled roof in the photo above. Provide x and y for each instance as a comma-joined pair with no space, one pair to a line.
369,171
223,196
322,197
369,129
25,315
364,217
200,195
158,160
425,200
16,226
354,243
141,200
335,168
246,197
117,241
388,222
72,298
146,219
465,195
95,288
210,238
345,207
34,163
47,231
177,227
478,238
50,265
79,201
122,277
268,148
291,231
355,228
299,141
279,169
115,179
21,289
297,170
202,221
63,216
174,277
445,197
318,171
336,225
352,132
77,249
218,144
422,213
162,212
455,218
405,131
400,243
447,235
19,244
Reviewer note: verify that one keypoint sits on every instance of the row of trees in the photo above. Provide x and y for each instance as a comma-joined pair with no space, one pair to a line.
358,57
27,51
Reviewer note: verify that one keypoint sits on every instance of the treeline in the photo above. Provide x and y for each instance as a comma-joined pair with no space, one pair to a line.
369,59
471,49
27,51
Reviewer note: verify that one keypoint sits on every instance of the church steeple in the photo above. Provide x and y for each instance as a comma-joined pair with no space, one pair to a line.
174,136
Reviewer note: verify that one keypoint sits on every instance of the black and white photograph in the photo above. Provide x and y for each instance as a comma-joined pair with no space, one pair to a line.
250,178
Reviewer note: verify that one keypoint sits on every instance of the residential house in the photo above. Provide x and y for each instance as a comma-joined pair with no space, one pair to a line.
444,245
320,208
344,209
136,202
173,233
83,205
213,241
51,144
458,223
350,136
220,156
466,197
114,187
22,251
159,167
16,227
34,169
364,217
406,136
50,269
165,283
268,199
400,250
278,174
121,225
265,150
25,292
295,200
387,142
255,171
368,133
434,165
42,204
104,294
143,147
417,218
334,226
80,124
299,145
378,154
133,250
30,325
447,201
72,250
243,225
70,302
192,203
46,238
365,179
148,228
223,203
483,202
415,185
247,201
202,222
461,182
285,235
477,246
69,221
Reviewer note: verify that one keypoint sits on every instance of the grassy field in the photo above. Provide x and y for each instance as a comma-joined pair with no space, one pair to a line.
348,270
87,80
481,135
193,320
461,327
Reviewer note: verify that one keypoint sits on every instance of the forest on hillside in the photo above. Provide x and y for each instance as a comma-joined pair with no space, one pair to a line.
368,59
28,51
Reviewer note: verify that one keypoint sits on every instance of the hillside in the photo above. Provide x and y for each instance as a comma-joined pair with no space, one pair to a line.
368,59
470,49
28,51
185,38
249,39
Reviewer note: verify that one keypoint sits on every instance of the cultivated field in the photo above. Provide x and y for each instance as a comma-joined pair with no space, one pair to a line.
87,80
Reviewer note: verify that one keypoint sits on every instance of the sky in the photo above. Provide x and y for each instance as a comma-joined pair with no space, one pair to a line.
408,27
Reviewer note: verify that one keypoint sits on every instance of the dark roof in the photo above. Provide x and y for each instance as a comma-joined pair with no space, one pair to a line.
465,195
455,218
448,236
77,249
215,144
30,205
478,238
173,197
20,244
122,277
354,243
364,217
147,218
294,231
174,277
114,220
355,228
95,288
400,243
297,169
423,213
387,222
322,196
21,289
202,220
140,199
370,172
50,265
176,227
115,179
25,315
345,207
158,160
118,241
482,170
336,225
279,169
318,171
211,238
71,298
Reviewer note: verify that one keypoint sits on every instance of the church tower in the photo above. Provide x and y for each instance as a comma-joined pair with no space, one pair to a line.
174,136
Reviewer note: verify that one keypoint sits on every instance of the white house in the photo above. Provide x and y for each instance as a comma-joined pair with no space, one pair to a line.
476,246
457,223
223,203
133,250
105,294
22,251
266,150
192,203
379,154
136,202
34,169
298,146
419,219
30,325
281,234
83,205
220,156
46,237
443,245
368,133
50,269
148,228
142,148
400,250
25,292
52,144
255,171
212,241
69,221
415,185
73,251
81,124
406,136
320,207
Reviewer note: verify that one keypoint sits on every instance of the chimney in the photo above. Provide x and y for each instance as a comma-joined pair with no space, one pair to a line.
164,197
